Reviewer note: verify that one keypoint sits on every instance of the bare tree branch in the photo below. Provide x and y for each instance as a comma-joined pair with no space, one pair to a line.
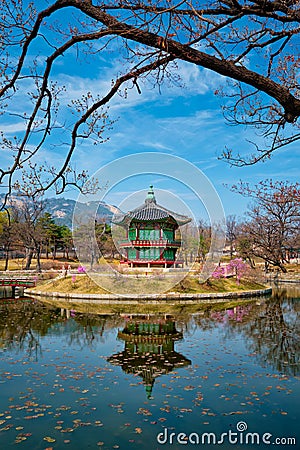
227,37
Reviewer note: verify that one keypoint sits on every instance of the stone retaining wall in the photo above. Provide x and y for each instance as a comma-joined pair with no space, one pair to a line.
152,298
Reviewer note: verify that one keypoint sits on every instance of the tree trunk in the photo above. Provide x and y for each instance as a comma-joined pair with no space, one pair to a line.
6,258
282,268
38,259
252,263
29,256
92,260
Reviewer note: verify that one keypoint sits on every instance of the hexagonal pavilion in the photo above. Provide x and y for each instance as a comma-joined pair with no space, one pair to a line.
150,230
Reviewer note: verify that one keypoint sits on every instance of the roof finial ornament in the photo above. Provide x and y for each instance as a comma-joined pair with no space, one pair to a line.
150,196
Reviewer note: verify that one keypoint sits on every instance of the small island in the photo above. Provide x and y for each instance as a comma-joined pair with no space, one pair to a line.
155,258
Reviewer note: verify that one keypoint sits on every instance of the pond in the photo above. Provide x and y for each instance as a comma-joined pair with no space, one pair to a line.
227,378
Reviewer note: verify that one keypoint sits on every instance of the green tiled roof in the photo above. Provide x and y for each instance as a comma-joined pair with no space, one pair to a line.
149,211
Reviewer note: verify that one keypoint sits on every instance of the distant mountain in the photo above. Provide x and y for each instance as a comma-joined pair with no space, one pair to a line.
61,209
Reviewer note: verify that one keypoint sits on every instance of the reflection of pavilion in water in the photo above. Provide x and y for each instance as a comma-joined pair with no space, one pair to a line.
149,349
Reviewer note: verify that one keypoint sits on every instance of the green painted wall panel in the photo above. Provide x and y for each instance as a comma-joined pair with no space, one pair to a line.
149,253
169,254
132,234
131,253
168,234
149,234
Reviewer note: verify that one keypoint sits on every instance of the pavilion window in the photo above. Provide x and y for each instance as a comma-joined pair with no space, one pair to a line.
168,234
169,254
132,234
131,253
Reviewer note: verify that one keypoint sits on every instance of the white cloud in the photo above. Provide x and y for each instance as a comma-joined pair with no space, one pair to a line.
157,145
13,127
192,80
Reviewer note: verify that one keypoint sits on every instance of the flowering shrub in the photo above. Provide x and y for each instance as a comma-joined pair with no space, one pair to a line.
235,267
238,267
218,273
81,269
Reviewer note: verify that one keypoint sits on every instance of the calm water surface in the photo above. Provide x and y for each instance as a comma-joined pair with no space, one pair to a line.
77,381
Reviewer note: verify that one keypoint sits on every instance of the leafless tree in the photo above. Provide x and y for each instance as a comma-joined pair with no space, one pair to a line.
252,43
27,226
231,232
273,219
244,245
204,231
6,235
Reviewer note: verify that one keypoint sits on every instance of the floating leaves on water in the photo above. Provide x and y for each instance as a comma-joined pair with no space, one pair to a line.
185,410
199,396
144,412
22,437
49,439
189,388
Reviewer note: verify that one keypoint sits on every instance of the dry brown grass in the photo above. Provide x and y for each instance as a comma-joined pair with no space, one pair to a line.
85,285
47,264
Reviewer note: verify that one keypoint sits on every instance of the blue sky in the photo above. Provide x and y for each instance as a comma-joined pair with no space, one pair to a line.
184,120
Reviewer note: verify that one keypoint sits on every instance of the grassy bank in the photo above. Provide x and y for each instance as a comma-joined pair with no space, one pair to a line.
83,284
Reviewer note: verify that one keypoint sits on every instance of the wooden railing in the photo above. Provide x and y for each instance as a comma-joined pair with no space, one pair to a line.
17,282
149,243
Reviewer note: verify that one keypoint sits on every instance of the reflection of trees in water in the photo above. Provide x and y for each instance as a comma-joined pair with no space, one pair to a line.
21,325
275,334
271,330
85,329
23,322
229,318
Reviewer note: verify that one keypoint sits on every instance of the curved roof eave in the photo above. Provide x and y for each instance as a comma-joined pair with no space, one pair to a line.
148,212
